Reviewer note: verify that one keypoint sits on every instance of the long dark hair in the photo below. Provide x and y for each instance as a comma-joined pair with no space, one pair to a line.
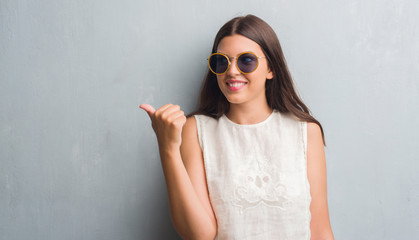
280,91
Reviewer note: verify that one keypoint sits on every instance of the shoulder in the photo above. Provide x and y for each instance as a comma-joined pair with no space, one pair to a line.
189,128
315,147
193,127
313,131
314,134
191,121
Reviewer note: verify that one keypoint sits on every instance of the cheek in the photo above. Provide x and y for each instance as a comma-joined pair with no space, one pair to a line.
258,78
221,78
264,75
220,81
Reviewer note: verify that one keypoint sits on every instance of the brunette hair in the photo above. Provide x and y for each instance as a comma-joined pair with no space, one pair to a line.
280,91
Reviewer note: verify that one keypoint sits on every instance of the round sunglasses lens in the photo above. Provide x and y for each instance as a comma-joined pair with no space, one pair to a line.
218,63
247,62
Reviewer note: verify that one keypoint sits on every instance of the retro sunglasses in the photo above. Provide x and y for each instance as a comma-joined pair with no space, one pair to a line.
247,62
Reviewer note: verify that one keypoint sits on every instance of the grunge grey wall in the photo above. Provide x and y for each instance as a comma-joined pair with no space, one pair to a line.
79,160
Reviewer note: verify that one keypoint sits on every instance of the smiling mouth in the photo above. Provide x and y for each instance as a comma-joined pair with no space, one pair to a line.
236,84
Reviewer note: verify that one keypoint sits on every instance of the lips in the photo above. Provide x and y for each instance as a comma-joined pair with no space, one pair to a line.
235,81
235,85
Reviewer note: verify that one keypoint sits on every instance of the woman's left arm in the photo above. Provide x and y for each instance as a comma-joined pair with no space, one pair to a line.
317,177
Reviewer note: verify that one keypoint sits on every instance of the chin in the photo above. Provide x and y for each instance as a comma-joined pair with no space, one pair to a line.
234,100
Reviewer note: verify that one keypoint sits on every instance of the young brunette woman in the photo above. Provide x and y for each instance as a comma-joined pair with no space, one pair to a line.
250,162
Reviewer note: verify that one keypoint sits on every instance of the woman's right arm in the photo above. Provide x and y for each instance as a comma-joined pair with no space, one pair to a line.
183,167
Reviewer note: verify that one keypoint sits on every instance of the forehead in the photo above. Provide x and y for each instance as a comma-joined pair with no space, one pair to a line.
236,44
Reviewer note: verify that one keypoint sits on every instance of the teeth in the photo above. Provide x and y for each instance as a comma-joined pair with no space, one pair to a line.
235,84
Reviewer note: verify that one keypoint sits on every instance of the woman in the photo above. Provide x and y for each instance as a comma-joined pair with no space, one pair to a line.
250,162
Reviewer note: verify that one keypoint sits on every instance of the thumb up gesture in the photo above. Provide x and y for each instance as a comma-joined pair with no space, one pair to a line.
167,123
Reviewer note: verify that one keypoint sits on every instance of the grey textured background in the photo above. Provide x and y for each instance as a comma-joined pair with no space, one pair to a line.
79,159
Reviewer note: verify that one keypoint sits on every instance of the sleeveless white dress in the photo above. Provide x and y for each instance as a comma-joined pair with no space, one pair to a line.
257,176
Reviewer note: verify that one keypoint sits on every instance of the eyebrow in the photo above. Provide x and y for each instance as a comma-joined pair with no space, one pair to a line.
238,54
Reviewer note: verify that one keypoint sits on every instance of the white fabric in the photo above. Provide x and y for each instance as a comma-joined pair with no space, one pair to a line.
257,176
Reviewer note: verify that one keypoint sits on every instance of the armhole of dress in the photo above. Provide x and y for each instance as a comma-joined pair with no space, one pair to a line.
199,130
304,131
304,139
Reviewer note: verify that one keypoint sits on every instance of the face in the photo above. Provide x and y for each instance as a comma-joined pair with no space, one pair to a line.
241,88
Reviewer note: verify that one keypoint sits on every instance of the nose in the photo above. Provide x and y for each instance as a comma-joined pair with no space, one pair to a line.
233,69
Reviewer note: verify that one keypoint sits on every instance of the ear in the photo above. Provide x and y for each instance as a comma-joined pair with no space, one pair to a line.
270,74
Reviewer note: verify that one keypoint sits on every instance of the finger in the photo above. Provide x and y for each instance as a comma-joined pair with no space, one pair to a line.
162,108
172,109
149,109
176,114
168,111
181,119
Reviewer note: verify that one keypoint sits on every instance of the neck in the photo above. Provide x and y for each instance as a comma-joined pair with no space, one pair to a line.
248,114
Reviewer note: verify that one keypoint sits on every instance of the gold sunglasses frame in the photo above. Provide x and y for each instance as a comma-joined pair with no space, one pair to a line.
229,62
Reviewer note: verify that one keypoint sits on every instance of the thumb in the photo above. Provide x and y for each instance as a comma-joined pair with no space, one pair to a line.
149,109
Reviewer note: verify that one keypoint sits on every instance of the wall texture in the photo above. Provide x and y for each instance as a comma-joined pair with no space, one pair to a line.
79,160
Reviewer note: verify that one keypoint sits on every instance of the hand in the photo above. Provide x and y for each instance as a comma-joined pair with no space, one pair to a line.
167,123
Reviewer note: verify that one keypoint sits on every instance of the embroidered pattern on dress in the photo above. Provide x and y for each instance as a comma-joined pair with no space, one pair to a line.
256,186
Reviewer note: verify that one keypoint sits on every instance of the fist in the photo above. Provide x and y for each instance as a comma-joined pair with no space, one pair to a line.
167,123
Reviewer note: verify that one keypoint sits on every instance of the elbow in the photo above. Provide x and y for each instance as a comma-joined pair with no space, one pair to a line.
203,236
204,233
198,236
324,236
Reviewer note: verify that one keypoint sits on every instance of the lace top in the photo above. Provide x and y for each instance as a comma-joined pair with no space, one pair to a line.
257,176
